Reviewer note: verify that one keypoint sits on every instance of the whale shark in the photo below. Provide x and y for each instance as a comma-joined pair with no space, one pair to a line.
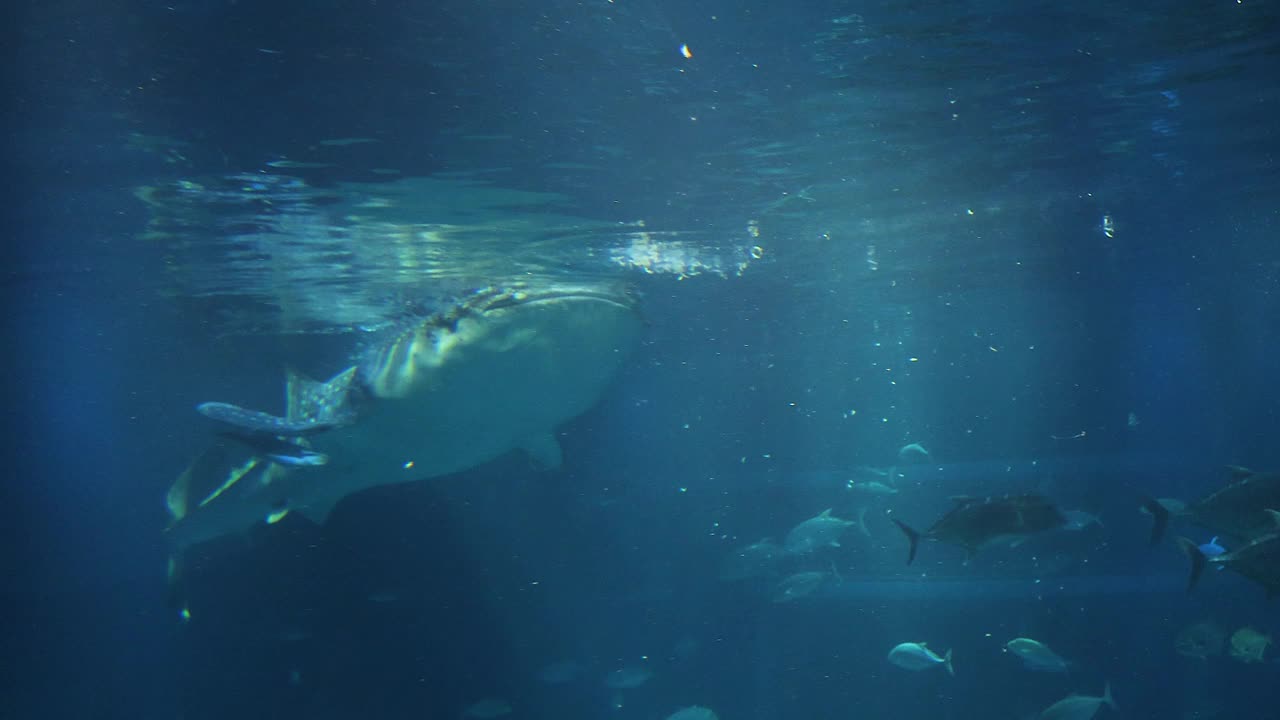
499,370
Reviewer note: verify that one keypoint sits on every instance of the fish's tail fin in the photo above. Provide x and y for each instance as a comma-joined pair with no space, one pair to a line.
1106,697
912,536
1198,561
1273,514
861,522
946,660
1160,519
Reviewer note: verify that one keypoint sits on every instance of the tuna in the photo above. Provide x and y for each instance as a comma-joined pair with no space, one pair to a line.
975,522
1238,510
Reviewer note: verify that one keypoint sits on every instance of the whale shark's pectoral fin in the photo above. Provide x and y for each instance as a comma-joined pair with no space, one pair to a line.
211,473
256,422
177,500
544,450
327,403
238,472
214,474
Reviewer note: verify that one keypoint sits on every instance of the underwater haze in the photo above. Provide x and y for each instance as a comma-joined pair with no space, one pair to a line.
641,359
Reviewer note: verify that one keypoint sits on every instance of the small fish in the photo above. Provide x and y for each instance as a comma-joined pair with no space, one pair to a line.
1201,640
822,530
861,522
913,449
693,712
1079,520
1078,707
298,165
1249,646
916,656
872,487
1036,655
487,709
799,585
1212,549
632,676
343,142
758,559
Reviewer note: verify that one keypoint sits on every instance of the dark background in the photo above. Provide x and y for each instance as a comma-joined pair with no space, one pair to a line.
417,600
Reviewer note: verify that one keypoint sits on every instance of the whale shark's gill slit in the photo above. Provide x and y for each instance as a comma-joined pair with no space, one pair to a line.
391,369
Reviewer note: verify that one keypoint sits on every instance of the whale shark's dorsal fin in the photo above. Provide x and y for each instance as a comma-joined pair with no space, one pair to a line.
307,400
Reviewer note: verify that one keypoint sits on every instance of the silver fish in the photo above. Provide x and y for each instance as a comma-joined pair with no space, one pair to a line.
758,559
625,678
798,585
1036,655
1239,509
975,522
1078,707
917,656
822,530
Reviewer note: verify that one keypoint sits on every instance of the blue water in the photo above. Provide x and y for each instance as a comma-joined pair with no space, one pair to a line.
1038,239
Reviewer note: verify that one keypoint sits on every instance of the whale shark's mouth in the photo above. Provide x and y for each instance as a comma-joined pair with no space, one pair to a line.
616,296
490,300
